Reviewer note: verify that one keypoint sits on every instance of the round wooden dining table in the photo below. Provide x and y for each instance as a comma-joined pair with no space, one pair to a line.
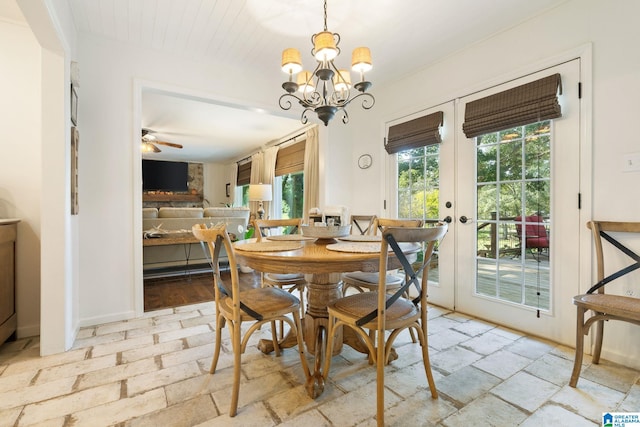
323,269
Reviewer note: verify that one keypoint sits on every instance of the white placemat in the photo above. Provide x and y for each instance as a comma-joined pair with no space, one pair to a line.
367,247
290,237
362,247
361,238
269,246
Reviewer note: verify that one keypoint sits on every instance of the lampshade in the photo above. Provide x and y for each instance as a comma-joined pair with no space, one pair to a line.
324,46
342,80
361,59
305,81
291,61
260,193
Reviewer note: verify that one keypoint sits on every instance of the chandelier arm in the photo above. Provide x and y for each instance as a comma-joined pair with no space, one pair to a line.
286,104
345,116
368,98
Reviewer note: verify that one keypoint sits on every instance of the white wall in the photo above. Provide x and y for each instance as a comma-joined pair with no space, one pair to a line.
612,29
215,179
20,171
109,245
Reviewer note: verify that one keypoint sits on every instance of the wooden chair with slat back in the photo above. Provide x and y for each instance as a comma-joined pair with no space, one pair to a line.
257,305
362,281
362,224
378,311
289,282
604,306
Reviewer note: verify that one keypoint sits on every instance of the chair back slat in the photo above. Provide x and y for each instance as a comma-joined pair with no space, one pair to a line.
380,224
362,224
598,230
267,227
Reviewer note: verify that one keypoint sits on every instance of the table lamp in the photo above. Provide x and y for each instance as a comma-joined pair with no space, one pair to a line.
260,193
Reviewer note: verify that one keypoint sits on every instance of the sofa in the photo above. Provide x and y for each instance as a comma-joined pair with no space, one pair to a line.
170,222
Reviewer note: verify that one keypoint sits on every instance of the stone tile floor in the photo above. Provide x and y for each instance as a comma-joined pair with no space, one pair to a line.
152,371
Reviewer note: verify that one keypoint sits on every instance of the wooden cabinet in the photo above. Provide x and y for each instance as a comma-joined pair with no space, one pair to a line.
8,317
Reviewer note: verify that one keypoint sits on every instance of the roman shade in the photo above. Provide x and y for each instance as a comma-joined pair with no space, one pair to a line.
529,103
290,159
415,133
244,174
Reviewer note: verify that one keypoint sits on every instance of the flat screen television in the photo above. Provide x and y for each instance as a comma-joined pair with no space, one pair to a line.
160,175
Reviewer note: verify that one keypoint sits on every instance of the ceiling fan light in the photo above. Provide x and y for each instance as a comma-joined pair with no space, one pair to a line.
361,60
324,46
305,82
342,80
291,61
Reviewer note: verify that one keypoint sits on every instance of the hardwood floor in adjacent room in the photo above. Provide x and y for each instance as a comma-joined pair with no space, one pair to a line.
175,291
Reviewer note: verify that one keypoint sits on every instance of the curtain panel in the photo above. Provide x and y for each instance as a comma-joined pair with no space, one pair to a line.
311,198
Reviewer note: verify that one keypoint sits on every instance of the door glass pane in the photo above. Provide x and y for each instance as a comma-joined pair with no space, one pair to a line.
418,190
514,211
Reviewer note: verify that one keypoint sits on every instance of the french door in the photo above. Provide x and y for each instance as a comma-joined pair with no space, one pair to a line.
503,191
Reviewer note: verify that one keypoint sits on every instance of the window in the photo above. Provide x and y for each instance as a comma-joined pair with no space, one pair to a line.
289,183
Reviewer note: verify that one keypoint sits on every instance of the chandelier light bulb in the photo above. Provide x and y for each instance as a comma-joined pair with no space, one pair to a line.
342,81
305,82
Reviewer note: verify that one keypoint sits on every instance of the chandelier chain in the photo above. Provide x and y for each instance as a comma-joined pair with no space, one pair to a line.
325,15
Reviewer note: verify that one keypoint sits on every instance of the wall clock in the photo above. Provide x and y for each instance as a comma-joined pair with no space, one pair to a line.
364,161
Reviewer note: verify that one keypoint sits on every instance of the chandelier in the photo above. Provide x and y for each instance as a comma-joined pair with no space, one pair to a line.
327,90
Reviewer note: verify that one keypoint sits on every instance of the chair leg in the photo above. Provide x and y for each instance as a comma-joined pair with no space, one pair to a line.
235,338
330,337
303,357
380,350
598,344
274,337
427,363
220,321
577,363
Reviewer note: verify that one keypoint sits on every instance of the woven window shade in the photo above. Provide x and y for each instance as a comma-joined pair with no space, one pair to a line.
244,174
415,133
529,103
290,159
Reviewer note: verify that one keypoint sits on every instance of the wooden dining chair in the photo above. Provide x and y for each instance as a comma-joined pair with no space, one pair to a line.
289,282
257,305
380,311
362,224
601,305
362,281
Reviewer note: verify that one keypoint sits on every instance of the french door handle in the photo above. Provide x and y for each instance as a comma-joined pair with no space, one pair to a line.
447,219
464,219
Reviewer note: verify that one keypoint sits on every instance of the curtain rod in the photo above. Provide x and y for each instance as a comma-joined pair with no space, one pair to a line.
287,140
274,145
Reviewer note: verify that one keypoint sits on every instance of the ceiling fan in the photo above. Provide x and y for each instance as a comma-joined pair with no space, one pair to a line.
150,143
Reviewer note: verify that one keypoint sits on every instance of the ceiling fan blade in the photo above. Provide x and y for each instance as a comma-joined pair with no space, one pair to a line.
169,144
155,148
